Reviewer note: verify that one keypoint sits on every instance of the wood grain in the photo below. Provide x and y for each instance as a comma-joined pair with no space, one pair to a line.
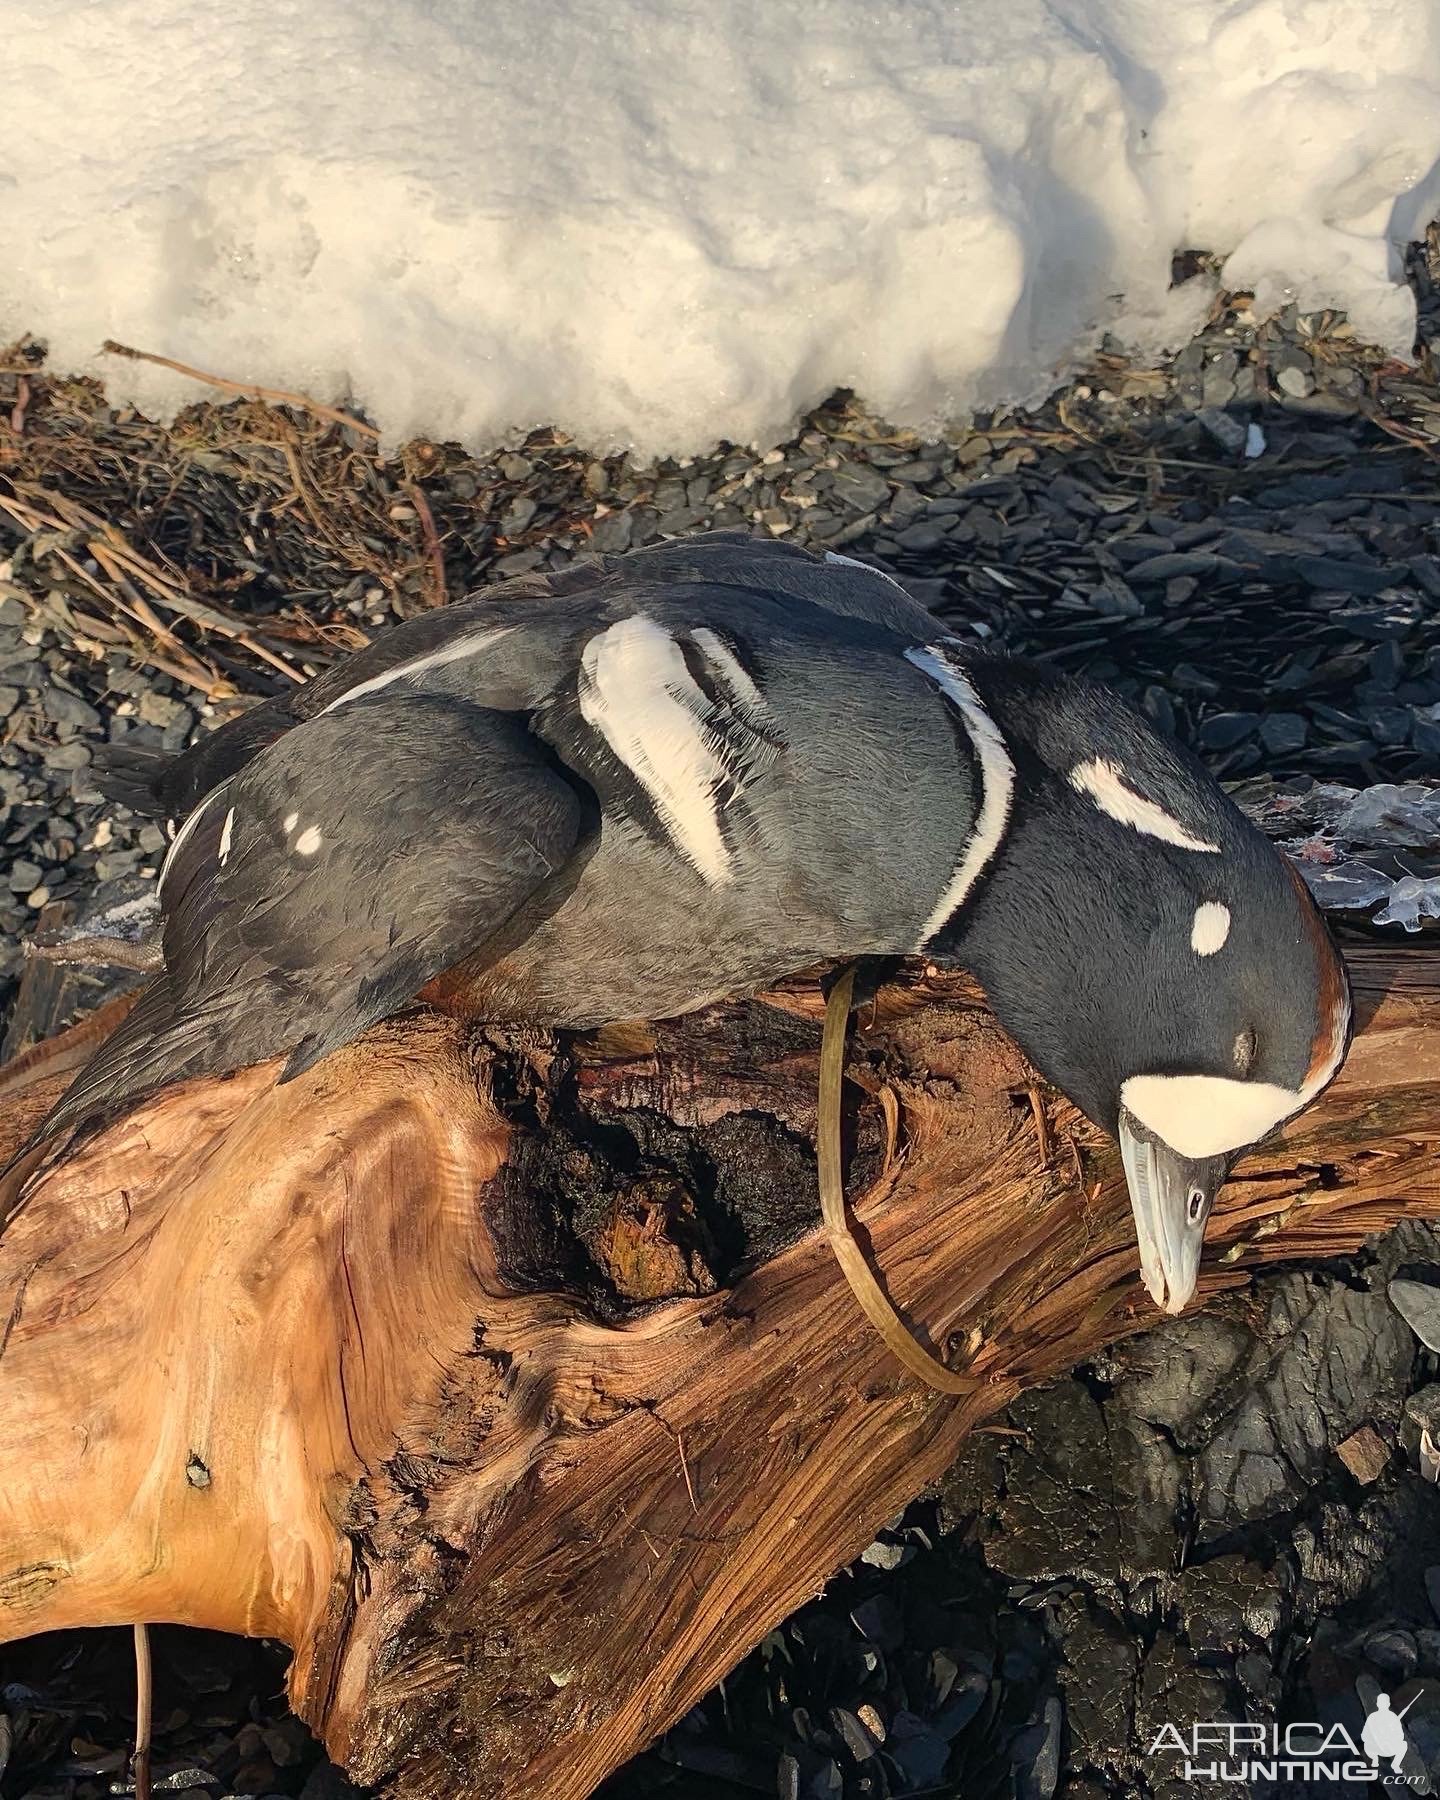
339,1362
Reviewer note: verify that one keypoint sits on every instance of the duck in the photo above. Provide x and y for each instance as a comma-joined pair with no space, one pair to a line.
652,781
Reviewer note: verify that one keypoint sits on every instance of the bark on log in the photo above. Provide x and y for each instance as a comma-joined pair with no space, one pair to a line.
512,1382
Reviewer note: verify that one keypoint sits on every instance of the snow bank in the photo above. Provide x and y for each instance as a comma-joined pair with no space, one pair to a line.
659,222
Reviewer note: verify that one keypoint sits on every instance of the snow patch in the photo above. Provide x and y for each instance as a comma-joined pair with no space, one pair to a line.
662,222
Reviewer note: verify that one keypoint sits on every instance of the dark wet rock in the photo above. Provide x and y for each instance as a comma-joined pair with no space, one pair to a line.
1149,1488
860,489
1176,1379
1294,380
1421,1414
63,707
1229,1604
1057,1515
856,1738
517,516
1395,1654
1174,1689
1282,733
1035,1755
1222,731
1097,1676
920,1753
613,533
1328,1358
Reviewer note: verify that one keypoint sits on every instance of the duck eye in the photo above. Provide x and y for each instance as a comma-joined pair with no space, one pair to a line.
1197,1204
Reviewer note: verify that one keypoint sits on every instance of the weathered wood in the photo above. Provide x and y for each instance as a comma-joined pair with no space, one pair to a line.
513,1383
47,993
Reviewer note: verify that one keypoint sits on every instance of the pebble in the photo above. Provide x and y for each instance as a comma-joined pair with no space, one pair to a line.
1294,381
517,516
65,708
1282,733
1364,1453
1223,730
1418,1303
156,708
67,756
860,490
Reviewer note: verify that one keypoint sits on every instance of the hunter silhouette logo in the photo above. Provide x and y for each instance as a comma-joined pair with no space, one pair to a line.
1383,1737
1226,1750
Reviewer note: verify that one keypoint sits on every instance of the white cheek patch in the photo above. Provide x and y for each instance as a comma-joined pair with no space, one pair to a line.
636,691
470,645
1207,1115
309,841
1105,785
997,780
1209,928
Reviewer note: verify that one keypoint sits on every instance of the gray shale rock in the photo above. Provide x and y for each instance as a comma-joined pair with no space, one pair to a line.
1328,1359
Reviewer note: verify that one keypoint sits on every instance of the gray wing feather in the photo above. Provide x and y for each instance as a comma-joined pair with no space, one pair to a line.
433,821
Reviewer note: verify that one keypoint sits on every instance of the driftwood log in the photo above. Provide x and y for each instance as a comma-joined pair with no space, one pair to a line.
512,1382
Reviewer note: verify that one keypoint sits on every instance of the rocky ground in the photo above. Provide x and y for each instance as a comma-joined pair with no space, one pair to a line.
1222,1519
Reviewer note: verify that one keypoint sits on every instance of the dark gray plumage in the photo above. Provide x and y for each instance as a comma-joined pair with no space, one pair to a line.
648,782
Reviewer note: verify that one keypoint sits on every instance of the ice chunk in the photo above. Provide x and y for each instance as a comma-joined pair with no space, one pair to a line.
1344,885
1399,817
1360,848
1413,898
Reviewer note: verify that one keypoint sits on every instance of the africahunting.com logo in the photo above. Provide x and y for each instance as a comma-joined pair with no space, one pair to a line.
1219,1750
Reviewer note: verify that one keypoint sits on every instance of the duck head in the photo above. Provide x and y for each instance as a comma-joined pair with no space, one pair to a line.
1149,949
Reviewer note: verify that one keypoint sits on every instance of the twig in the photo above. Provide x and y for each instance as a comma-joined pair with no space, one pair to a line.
121,561
250,390
432,540
143,1690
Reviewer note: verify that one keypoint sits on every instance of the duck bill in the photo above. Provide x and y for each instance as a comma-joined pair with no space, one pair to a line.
1171,1197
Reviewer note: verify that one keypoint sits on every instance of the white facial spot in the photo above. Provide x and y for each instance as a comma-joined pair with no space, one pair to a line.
309,841
1209,928
225,831
1104,783
1207,1115
637,693
291,821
